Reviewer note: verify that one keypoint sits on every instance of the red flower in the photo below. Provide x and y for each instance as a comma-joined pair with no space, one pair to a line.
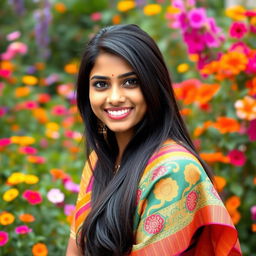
237,157
154,224
33,197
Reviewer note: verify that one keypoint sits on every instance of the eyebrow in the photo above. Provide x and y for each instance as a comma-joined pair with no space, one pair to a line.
108,78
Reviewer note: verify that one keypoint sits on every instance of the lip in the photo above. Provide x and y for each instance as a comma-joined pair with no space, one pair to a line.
118,113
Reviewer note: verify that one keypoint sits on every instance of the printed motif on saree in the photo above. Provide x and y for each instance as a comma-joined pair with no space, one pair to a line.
178,210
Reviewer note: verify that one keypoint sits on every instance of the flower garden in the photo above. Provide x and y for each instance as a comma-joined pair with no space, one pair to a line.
211,54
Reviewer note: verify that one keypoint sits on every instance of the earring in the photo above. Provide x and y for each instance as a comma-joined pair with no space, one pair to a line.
102,128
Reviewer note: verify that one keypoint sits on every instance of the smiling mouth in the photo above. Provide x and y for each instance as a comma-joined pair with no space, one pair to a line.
119,113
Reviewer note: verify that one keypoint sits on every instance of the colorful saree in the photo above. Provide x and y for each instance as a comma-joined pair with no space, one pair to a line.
178,210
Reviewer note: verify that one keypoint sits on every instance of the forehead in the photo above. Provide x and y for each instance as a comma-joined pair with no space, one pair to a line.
109,65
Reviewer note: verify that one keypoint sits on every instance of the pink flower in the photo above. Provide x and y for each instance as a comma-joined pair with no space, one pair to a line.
30,104
23,229
69,209
18,47
33,197
71,186
13,35
3,111
183,21
237,157
238,30
195,41
5,73
96,16
211,40
253,212
197,17
252,130
28,150
55,196
251,66
5,142
250,13
240,47
4,237
59,110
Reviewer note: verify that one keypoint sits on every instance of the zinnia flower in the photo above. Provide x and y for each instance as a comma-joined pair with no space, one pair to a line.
55,196
23,229
237,157
3,238
10,194
6,218
33,197
26,217
69,209
246,108
197,17
39,249
252,130
238,30
5,142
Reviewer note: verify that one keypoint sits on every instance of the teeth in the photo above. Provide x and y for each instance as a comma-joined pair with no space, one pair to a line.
118,112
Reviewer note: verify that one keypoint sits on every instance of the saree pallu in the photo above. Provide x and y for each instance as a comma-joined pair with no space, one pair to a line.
178,210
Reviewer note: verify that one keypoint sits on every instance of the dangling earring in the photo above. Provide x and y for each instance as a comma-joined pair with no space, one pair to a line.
102,129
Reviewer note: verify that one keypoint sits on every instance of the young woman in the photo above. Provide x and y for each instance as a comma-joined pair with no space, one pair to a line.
144,189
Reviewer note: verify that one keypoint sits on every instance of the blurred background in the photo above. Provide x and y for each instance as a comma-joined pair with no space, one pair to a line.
210,49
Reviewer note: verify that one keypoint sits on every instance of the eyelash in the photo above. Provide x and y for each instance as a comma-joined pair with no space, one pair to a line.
101,85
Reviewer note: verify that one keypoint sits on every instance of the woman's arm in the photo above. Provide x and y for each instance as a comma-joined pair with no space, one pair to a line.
72,249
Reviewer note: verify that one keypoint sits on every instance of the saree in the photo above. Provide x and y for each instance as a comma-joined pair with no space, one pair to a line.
178,209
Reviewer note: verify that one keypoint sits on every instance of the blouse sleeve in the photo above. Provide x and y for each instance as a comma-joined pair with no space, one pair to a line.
84,196
180,213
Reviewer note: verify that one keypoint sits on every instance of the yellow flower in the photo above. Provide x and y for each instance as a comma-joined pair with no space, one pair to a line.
124,6
236,12
22,140
166,189
192,174
183,67
152,9
6,218
60,7
52,126
21,92
29,80
10,194
31,179
71,68
173,10
253,21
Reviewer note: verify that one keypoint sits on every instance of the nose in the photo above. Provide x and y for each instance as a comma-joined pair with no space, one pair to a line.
115,96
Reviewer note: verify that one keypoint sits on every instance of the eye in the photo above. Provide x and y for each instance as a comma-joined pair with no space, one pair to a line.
100,85
131,82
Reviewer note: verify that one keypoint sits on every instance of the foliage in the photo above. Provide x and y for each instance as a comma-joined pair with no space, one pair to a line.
41,147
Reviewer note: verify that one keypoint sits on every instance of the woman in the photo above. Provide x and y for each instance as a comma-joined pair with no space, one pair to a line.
144,189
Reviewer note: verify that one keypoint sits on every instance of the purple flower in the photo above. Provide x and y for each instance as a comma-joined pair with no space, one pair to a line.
252,130
55,196
71,186
68,209
253,212
18,6
197,17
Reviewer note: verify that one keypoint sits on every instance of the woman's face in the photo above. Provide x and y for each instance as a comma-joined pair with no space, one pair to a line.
115,94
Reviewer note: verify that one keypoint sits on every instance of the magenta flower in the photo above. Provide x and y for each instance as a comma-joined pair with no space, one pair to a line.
5,142
252,130
28,150
253,212
96,16
23,229
69,209
18,48
30,104
195,41
4,237
33,197
240,47
3,111
211,40
71,186
237,157
251,66
55,196
197,17
13,35
238,30
59,110
183,21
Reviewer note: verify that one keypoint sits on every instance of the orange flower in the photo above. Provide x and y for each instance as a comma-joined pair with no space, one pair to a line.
254,180
39,249
116,19
40,66
60,7
152,9
232,63
71,68
219,183
236,12
246,108
21,92
232,203
124,6
205,92
27,217
6,218
41,115
251,85
235,216
215,157
226,124
7,65
254,227
210,68
58,173
186,111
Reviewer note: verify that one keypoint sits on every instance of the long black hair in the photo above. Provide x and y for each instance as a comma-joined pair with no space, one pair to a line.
108,229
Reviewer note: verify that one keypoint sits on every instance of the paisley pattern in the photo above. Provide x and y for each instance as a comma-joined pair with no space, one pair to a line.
175,198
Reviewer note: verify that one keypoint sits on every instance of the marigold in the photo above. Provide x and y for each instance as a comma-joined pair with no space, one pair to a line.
71,68
60,7
39,249
15,178
232,203
29,80
10,194
26,217
246,108
236,12
226,125
21,92
219,183
124,6
6,218
152,9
